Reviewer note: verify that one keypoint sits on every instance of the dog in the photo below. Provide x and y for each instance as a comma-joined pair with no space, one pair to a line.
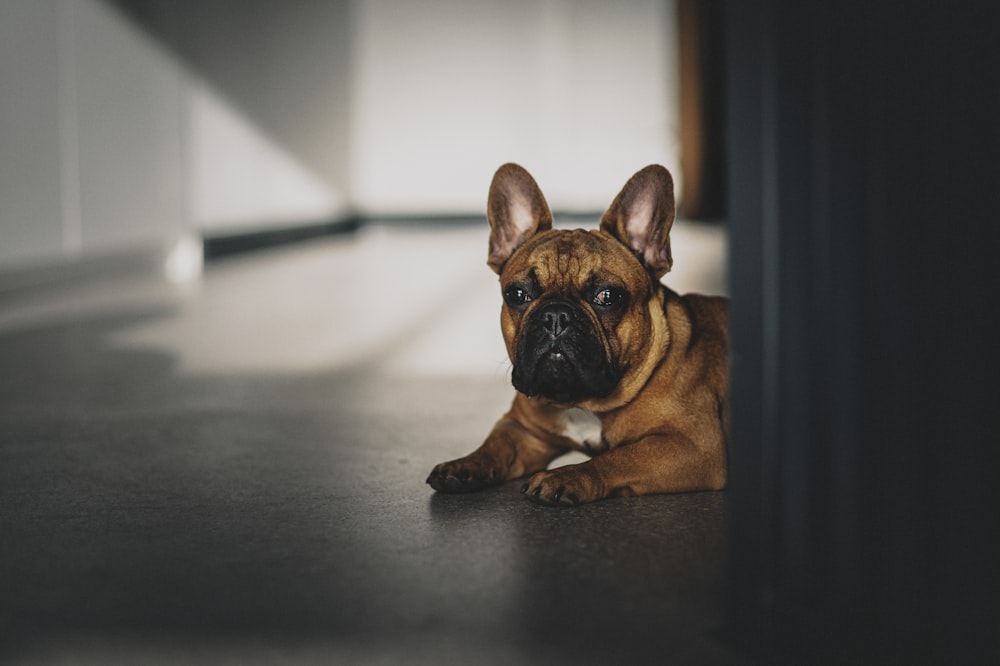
606,359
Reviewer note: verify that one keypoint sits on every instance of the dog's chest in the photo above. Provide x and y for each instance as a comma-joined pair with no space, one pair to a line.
583,427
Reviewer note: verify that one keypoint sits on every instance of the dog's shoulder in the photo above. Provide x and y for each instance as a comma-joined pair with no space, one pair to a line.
709,315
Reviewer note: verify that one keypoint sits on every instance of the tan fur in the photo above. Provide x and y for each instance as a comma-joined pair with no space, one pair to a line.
664,426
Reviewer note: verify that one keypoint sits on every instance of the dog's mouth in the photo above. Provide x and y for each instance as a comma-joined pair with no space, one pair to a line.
560,356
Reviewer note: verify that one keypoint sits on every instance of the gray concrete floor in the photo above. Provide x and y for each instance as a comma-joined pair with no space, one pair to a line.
232,472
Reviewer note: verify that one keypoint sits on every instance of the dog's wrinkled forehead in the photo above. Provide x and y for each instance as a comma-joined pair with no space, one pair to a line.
571,258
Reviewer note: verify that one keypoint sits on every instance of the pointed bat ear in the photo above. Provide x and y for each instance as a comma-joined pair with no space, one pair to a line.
516,210
641,216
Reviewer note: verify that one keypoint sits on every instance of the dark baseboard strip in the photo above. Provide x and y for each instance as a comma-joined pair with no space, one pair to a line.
24,282
425,221
221,246
216,247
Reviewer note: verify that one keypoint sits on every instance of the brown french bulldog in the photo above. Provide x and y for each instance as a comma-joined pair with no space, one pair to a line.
606,359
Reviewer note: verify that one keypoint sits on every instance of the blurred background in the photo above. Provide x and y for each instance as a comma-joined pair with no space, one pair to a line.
129,123
144,137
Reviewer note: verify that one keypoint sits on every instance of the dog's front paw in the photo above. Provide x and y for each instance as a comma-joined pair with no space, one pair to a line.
564,486
464,475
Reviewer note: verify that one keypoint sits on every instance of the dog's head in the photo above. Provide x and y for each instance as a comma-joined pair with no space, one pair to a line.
581,308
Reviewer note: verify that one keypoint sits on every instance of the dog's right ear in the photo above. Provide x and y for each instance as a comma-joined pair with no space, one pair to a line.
641,216
516,210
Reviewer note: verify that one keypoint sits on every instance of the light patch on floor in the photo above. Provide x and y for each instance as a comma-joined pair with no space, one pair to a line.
393,299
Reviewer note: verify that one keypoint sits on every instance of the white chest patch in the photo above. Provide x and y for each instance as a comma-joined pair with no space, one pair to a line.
583,427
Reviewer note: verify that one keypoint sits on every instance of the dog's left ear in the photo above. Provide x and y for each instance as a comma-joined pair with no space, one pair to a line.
641,216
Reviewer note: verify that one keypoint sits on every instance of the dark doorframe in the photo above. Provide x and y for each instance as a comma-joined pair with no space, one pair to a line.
702,84
864,192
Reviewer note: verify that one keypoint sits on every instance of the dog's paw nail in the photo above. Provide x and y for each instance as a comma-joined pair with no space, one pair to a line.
558,493
524,488
436,479
536,492
568,500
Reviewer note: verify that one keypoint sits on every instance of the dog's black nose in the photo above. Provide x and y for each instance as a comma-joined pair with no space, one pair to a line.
556,318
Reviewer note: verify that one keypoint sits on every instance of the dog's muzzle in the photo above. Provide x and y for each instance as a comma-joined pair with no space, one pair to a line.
560,356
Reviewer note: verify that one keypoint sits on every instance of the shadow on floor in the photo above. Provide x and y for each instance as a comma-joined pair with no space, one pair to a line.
157,516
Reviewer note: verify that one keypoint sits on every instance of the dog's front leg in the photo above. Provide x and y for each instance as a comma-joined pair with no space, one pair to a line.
509,452
661,463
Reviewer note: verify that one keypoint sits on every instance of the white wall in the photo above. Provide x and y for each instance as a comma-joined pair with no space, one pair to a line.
111,140
580,92
240,179
91,120
243,113
31,212
267,103
122,142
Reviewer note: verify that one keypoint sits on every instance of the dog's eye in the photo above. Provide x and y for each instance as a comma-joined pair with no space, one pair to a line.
516,295
608,297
